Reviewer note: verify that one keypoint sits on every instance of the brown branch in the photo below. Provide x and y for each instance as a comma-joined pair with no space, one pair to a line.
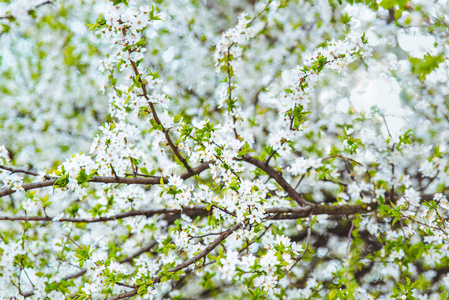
132,213
110,179
330,210
288,213
29,186
267,161
156,118
422,189
334,181
138,253
8,16
258,238
309,234
350,242
204,235
279,179
22,171
73,276
260,12
83,271
188,262
282,213
343,157
301,179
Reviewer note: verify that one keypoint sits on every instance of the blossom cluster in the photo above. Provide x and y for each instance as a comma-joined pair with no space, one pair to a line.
337,55
14,181
4,156
261,180
228,52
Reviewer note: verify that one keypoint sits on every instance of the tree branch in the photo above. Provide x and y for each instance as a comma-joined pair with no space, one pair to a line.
8,16
288,213
309,234
158,121
188,262
279,179
282,213
133,213
330,210
111,179
83,271
27,172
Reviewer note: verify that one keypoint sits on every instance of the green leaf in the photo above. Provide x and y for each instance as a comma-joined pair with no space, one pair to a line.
177,118
246,149
117,2
389,4
82,177
62,181
423,67
397,218
144,171
83,253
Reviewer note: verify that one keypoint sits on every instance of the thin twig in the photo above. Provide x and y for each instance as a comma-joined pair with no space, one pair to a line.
341,156
83,271
309,233
267,161
204,235
72,241
258,238
187,263
22,171
156,118
300,180
8,16
349,242
132,167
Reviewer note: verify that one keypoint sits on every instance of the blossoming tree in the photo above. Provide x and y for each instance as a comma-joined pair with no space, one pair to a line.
217,150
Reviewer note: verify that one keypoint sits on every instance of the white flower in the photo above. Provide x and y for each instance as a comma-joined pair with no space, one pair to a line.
90,288
199,124
4,154
139,22
30,206
297,248
175,180
412,196
229,264
150,293
14,181
166,119
282,239
428,169
354,191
